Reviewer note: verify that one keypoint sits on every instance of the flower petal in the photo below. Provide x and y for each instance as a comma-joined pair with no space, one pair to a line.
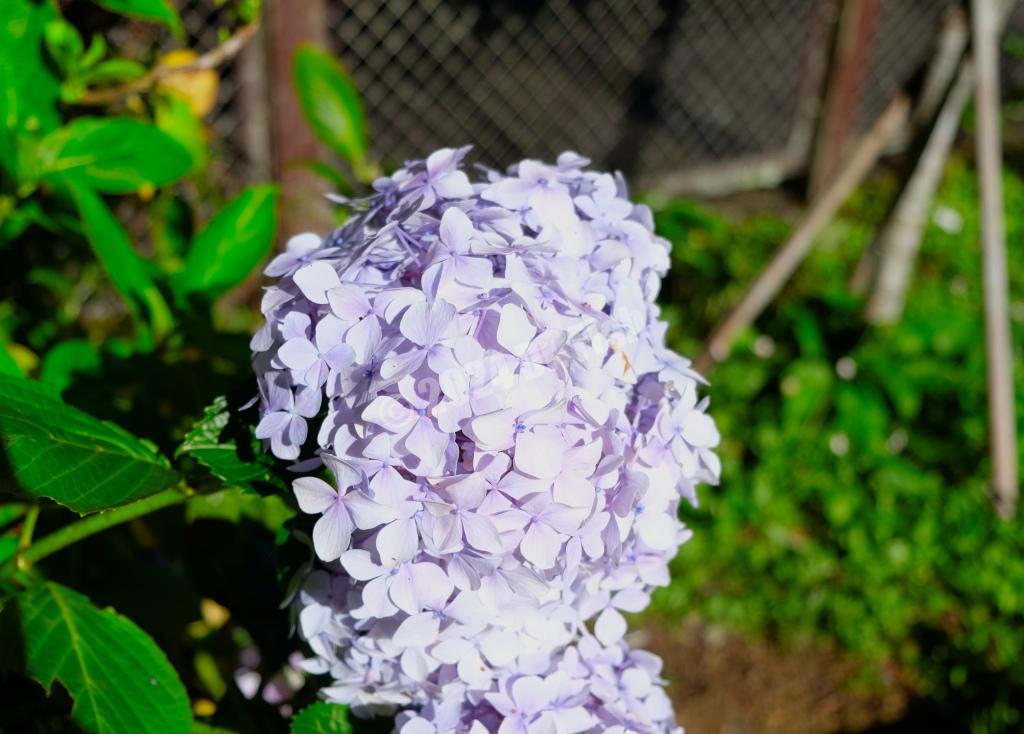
332,533
541,545
313,495
515,330
315,279
418,630
388,413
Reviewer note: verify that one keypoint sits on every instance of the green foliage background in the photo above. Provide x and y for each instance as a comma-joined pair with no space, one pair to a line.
142,532
853,503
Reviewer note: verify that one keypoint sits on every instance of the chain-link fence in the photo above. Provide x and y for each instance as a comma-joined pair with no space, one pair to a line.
657,87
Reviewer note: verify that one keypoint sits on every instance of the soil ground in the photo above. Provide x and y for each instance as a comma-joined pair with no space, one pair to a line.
722,683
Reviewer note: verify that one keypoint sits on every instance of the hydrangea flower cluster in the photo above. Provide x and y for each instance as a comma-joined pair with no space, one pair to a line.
508,440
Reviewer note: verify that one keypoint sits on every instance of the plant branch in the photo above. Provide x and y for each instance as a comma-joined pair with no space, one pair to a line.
28,527
93,524
209,60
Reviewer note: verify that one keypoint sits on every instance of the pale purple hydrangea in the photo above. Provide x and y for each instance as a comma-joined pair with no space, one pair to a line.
507,440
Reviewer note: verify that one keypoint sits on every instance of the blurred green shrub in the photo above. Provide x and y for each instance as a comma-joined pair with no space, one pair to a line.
853,499
85,145
117,244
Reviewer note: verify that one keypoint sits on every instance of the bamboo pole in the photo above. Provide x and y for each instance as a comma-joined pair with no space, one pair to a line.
1002,414
943,71
901,237
795,249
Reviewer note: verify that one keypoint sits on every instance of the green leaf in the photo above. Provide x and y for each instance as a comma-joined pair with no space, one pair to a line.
199,727
225,445
96,51
11,511
233,504
7,364
64,44
65,359
249,10
119,680
57,451
322,718
130,274
330,101
116,155
9,537
29,89
159,11
172,114
8,547
170,231
237,238
113,70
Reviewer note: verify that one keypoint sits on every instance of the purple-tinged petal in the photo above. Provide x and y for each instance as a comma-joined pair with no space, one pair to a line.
398,540
349,302
363,338
481,533
366,513
272,424
539,453
531,694
418,630
313,495
388,413
360,565
541,545
494,431
332,533
345,475
427,442
428,323
315,279
515,330
610,627
431,584
453,185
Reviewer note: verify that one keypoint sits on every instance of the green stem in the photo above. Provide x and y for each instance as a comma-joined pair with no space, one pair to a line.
28,527
93,524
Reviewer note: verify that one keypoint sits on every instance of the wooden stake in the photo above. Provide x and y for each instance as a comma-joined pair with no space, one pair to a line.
792,253
858,21
1002,414
901,237
942,71
303,206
